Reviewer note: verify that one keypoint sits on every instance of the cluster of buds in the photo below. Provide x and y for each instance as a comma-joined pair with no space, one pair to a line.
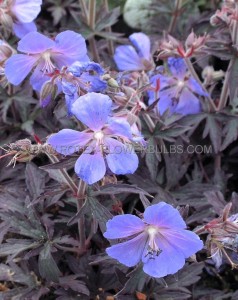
6,51
227,17
25,151
194,45
223,236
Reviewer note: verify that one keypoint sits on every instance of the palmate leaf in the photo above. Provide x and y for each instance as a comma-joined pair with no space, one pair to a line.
214,130
151,158
100,212
137,281
230,132
47,266
13,247
35,180
107,19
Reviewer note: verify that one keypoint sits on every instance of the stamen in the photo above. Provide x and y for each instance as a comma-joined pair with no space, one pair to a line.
153,250
48,67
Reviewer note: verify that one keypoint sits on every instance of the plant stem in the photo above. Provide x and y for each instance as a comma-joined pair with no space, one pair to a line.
84,10
68,179
173,21
81,223
110,42
196,77
92,14
93,47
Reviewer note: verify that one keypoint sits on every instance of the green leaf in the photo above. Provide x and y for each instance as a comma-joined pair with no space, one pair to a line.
213,129
47,266
108,19
233,79
230,132
151,159
100,212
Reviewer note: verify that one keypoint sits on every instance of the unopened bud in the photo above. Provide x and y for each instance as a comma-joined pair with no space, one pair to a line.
112,83
48,91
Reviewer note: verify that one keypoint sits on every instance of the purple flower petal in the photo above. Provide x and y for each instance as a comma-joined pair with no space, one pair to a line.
26,11
18,67
38,78
121,159
177,67
142,44
70,47
127,59
169,261
22,29
123,226
90,167
68,141
184,241
118,127
164,215
129,253
196,87
41,43
167,100
92,109
188,103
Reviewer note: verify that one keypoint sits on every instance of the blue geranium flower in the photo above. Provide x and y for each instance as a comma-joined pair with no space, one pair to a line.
178,91
23,12
136,57
86,76
104,142
160,240
44,55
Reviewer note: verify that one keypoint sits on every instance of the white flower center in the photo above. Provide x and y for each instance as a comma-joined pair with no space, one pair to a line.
98,135
152,231
48,67
181,83
153,249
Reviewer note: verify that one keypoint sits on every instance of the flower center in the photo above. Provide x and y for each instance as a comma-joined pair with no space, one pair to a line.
181,83
48,67
153,249
98,135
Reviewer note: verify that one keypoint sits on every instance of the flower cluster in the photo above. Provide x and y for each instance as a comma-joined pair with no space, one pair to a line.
105,144
178,91
159,240
223,236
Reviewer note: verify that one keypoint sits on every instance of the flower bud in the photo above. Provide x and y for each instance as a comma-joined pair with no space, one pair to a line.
48,93
112,83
